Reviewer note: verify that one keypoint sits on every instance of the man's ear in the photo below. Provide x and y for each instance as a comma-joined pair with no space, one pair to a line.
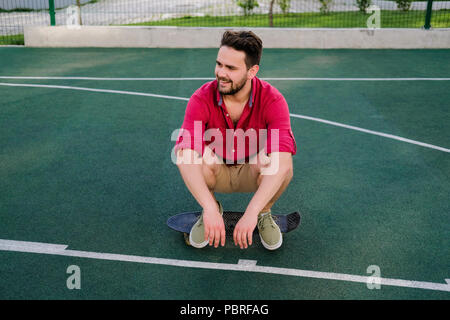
251,73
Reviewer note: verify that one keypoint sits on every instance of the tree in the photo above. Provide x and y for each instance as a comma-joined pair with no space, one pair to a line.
404,5
79,13
325,6
247,5
271,13
363,5
284,6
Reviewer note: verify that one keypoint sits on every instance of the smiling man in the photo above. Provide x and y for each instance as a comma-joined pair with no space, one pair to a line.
236,137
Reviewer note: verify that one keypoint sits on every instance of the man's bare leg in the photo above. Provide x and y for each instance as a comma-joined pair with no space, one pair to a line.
278,194
210,168
256,171
199,177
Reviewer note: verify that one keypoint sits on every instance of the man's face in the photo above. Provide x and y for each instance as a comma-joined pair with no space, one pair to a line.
231,70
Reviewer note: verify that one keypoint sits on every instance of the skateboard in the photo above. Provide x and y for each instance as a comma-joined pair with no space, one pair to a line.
183,222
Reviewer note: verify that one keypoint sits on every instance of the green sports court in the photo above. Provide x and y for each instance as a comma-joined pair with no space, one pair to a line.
86,177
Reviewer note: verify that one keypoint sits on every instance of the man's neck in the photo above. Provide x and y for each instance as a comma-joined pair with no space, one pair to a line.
240,97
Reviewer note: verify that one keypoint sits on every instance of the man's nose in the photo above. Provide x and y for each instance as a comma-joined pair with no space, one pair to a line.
221,73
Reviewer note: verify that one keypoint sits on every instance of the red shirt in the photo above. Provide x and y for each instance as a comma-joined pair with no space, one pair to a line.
264,123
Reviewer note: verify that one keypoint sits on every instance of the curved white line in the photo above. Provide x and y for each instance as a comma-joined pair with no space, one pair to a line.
102,79
92,90
209,79
386,135
390,136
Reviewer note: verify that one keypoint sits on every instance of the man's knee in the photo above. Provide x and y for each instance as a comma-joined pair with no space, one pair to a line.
258,168
289,173
258,162
209,170
210,161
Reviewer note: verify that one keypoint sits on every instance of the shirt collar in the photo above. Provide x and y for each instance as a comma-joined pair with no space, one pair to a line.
250,101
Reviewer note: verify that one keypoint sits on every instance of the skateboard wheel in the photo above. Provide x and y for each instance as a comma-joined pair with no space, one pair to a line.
186,238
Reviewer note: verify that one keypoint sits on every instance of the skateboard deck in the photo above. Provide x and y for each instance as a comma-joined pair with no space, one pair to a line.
183,222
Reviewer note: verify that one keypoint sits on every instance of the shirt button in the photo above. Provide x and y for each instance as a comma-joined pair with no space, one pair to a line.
228,115
233,150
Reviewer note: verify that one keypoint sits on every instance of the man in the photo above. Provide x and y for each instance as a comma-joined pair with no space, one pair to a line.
236,137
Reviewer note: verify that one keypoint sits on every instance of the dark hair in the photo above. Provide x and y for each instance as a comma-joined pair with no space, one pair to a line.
245,41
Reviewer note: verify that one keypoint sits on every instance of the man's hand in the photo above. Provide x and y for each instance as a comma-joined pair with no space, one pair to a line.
243,230
214,227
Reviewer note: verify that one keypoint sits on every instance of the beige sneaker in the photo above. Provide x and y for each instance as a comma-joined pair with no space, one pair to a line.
197,234
269,232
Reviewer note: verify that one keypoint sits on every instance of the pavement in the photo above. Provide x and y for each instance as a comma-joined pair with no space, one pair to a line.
106,12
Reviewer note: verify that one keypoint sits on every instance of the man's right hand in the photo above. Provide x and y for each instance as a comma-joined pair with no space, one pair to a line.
214,226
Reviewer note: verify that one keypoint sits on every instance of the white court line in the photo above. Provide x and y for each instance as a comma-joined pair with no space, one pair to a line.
242,265
209,79
386,135
92,90
103,79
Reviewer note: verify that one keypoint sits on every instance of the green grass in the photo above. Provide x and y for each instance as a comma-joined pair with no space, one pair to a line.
353,19
16,39
37,10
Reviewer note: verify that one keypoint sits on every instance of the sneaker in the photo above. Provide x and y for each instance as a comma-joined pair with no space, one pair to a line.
269,232
197,234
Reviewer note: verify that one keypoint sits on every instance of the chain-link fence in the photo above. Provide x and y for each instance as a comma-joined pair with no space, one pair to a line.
15,14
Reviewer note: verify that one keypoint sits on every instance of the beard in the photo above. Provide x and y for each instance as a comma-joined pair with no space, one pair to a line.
234,87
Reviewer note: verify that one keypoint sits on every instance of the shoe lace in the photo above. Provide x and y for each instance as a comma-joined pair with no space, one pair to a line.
265,221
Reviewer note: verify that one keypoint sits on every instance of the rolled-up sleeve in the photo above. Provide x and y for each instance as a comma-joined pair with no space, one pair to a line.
193,127
280,137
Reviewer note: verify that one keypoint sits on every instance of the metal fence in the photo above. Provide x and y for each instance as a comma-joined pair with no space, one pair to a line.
15,14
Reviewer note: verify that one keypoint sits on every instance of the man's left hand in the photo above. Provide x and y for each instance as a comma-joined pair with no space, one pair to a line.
244,230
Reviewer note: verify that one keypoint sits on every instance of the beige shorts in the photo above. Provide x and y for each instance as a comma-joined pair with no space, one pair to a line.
235,178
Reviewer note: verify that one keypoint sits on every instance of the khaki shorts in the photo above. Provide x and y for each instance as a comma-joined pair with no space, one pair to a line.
235,178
